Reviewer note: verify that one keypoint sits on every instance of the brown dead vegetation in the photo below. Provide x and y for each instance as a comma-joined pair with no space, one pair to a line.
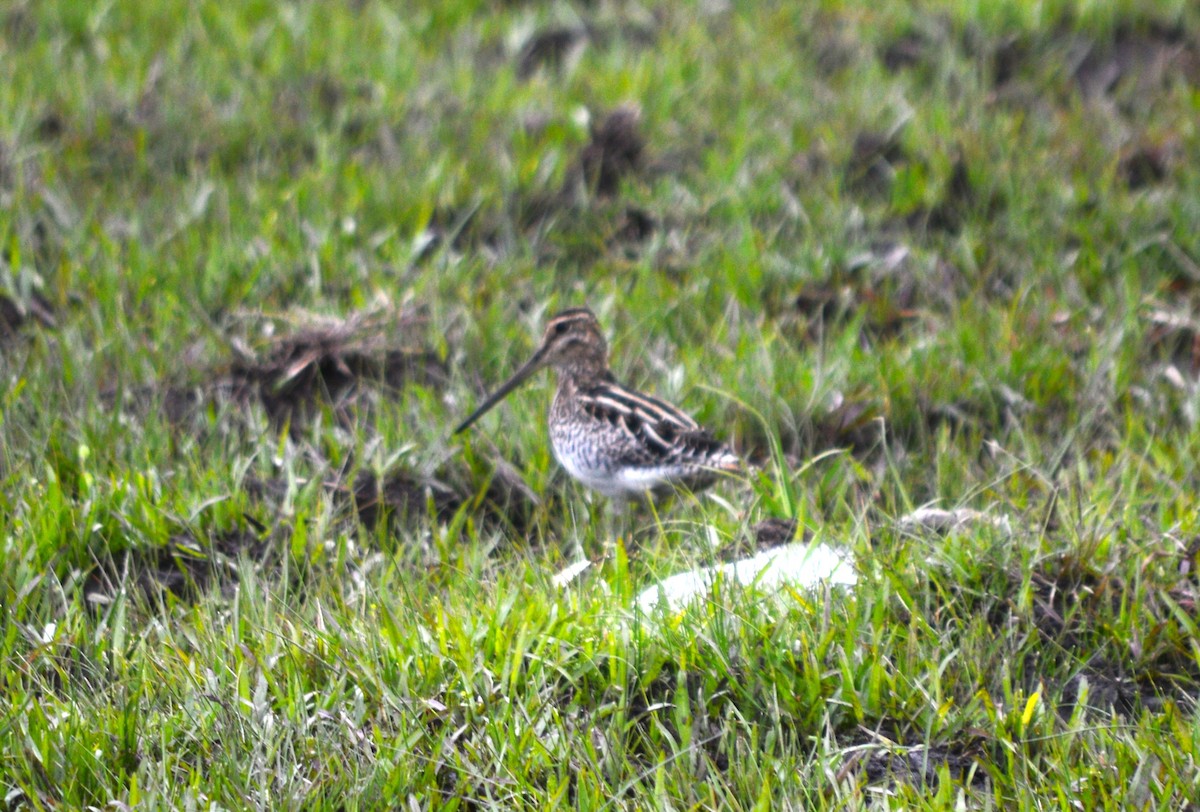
318,363
332,363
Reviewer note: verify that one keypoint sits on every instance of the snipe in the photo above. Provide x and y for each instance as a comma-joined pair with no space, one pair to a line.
612,439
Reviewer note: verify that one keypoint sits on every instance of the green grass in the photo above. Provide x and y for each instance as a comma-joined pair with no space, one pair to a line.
912,253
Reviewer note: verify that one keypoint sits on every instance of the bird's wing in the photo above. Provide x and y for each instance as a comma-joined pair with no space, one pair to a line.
656,432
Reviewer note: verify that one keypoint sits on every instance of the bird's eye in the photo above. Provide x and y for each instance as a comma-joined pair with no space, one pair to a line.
561,328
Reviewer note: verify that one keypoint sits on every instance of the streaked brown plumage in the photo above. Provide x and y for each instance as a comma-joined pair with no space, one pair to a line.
609,437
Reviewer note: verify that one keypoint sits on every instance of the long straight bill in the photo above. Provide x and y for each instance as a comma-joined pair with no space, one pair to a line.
534,364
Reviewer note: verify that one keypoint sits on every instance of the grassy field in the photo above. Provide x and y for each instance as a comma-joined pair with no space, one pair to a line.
257,259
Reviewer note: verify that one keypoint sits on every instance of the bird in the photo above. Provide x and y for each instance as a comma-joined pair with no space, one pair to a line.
615,440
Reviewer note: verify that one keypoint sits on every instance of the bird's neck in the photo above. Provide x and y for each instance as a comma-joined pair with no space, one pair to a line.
582,372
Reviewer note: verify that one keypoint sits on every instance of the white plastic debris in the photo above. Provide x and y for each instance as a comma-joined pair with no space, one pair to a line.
797,565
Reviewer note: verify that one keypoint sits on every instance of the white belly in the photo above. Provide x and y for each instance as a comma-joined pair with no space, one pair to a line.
612,483
598,479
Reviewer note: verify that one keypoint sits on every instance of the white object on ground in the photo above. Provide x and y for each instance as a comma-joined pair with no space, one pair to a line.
797,564
570,572
943,521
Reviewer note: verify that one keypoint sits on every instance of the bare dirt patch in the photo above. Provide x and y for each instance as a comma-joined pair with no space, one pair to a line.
960,199
616,149
404,497
1173,334
918,764
854,423
886,288
1150,55
920,45
1069,618
873,160
851,423
17,314
550,49
401,495
18,24
185,567
575,223
895,752
1071,600
765,535
1148,163
554,49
